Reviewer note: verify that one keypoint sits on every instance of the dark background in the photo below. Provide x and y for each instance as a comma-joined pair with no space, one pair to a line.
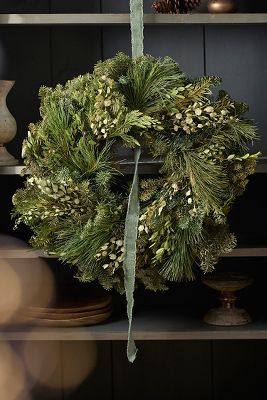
35,56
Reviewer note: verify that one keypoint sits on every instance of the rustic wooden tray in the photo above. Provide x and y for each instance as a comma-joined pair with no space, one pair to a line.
74,305
66,315
81,321
76,310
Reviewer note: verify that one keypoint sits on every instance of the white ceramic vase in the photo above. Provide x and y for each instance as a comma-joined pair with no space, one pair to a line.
8,125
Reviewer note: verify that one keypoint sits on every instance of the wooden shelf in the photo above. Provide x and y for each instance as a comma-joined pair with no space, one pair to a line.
29,253
147,325
11,169
124,19
22,253
248,252
146,166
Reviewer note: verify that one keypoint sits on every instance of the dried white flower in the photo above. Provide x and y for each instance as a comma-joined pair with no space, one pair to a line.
188,193
209,109
175,187
189,120
163,204
107,103
186,129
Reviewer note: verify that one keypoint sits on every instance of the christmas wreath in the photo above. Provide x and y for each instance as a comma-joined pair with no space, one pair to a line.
75,200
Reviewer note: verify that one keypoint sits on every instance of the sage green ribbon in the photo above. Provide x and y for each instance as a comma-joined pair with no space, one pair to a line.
132,216
137,27
130,236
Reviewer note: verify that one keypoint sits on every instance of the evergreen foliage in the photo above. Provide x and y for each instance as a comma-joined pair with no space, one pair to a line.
71,200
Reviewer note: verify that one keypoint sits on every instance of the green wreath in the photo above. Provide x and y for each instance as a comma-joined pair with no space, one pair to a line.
75,199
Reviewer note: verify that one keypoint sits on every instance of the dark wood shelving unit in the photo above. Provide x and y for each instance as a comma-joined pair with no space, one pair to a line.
148,325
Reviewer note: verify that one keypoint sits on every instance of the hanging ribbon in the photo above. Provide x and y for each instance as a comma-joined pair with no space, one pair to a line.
130,235
137,27
132,216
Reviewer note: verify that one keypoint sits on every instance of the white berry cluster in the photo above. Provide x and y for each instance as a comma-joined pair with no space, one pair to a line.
213,152
143,228
156,208
106,104
198,115
67,196
189,198
112,254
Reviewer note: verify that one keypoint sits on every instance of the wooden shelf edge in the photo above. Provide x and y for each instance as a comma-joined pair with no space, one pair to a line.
147,326
247,252
29,253
11,169
144,164
124,19
22,253
147,336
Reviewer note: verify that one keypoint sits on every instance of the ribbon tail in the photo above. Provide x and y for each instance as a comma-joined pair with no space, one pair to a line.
130,237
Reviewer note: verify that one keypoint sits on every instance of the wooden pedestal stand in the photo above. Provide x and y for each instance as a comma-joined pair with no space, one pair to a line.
227,314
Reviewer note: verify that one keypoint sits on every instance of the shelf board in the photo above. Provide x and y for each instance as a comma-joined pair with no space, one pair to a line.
22,253
11,169
146,166
152,166
29,253
261,167
124,19
248,252
147,325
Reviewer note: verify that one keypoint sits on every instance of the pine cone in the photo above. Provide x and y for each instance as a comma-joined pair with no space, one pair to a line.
175,6
191,4
163,6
